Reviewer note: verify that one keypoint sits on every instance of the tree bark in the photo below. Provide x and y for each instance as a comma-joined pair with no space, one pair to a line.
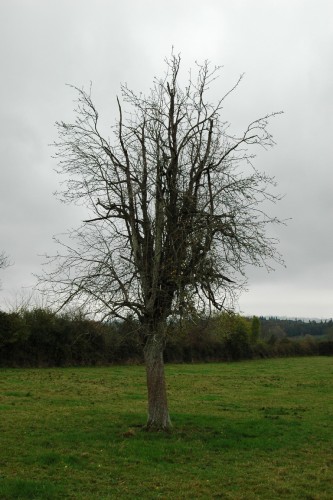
158,414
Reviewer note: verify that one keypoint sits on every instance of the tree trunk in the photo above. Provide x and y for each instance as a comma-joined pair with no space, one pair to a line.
158,414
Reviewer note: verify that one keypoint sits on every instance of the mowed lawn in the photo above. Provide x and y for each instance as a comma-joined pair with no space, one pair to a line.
256,429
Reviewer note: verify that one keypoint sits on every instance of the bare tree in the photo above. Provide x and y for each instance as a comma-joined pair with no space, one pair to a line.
176,211
4,262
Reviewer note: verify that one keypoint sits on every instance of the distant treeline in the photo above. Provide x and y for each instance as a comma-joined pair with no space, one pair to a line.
39,338
295,327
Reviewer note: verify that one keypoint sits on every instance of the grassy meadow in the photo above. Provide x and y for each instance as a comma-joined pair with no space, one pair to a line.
247,430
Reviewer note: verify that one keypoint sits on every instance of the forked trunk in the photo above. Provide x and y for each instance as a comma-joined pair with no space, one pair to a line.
158,414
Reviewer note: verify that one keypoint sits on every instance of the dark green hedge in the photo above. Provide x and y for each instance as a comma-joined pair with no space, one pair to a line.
37,338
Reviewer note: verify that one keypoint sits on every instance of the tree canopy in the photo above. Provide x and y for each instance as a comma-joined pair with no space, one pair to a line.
176,203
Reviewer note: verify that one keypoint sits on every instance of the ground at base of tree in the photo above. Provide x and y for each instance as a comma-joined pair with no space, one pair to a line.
247,430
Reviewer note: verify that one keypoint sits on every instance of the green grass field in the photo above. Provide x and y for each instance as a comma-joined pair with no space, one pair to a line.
257,429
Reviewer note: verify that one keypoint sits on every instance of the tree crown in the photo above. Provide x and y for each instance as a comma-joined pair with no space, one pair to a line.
176,204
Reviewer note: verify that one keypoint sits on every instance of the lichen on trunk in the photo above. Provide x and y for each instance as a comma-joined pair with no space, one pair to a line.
158,413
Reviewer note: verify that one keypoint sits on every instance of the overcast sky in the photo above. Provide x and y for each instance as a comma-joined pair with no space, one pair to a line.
285,48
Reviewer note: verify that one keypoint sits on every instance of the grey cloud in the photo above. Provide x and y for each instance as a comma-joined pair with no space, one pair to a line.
284,47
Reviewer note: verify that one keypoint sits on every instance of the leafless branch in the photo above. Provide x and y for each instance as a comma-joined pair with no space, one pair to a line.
175,218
